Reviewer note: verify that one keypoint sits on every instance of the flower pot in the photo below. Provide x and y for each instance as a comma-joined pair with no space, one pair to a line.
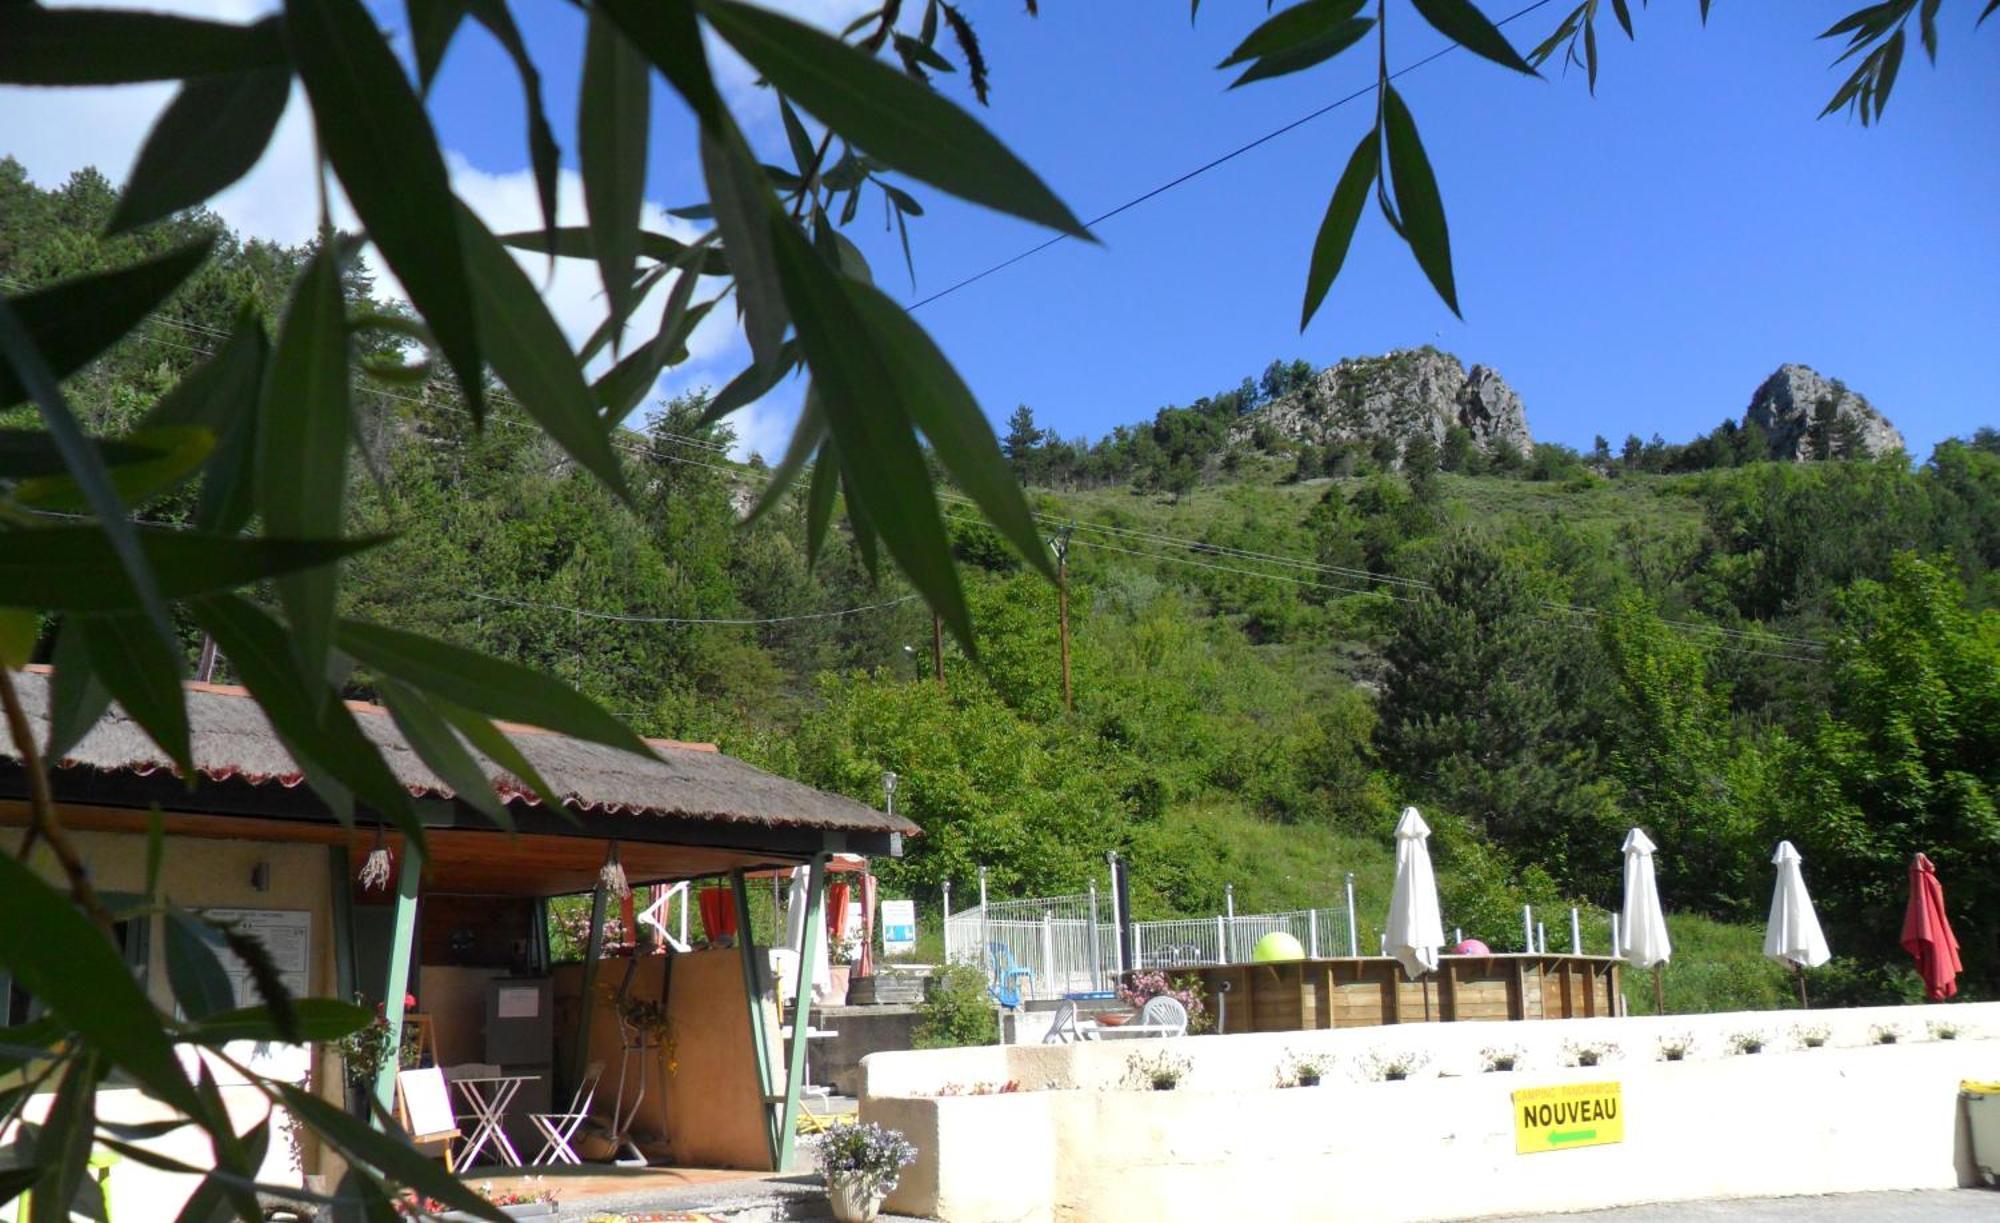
1309,1080
1674,1056
1395,1076
520,1210
851,1198
1163,1084
836,984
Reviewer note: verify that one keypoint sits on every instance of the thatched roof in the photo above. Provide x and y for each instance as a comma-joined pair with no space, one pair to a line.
233,740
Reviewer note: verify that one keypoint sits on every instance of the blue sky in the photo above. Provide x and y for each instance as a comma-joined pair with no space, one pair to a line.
1633,263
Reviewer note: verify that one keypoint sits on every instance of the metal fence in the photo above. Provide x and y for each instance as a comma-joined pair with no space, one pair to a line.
1190,941
1056,944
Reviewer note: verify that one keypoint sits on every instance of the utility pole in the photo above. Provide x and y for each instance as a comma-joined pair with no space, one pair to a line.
937,650
1061,545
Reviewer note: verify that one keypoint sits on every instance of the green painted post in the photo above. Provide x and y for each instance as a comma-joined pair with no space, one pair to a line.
398,983
753,992
345,985
579,1054
795,1068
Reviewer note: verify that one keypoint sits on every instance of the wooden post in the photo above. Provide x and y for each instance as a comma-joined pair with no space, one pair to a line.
579,1054
1800,969
1061,545
753,992
937,650
795,1067
411,869
1659,990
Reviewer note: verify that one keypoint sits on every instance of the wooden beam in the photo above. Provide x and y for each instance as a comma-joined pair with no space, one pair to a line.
411,870
579,1054
346,985
795,1066
753,992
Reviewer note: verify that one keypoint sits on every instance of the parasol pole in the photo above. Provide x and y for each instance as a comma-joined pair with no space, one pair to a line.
1800,969
1659,990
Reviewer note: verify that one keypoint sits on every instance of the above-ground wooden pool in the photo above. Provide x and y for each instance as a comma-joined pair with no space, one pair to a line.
1352,992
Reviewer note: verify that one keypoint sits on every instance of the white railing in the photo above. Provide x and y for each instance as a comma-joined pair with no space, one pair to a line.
1192,941
1043,947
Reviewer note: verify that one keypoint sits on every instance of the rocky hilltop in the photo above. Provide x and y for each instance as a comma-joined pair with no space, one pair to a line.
1361,401
1806,416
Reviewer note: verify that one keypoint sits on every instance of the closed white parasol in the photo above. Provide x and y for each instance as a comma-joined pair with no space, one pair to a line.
1642,929
1792,936
1416,931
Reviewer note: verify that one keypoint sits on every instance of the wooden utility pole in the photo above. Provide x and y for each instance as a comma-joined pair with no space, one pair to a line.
1061,545
937,650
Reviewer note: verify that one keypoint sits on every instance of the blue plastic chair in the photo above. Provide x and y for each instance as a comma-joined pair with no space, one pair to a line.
1005,973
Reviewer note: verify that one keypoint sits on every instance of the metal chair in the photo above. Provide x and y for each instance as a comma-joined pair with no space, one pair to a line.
560,1128
1164,1012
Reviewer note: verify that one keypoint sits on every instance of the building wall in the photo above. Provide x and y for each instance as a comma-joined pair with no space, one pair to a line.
199,873
711,1114
1077,1144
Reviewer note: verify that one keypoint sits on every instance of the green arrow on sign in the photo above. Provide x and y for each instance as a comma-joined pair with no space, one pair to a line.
1556,1140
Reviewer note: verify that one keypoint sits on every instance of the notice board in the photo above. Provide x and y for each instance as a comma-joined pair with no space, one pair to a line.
1568,1116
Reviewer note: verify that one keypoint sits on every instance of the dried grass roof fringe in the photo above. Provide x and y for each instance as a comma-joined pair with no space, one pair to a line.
232,739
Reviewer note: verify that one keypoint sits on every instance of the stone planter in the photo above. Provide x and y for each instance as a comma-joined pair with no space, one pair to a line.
851,1200
836,984
526,1210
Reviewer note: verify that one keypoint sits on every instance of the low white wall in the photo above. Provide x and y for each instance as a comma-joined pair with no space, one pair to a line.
1073,1145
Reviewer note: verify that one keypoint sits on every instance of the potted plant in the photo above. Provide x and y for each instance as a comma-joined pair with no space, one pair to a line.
1676,1048
862,1162
1811,1036
1395,1067
1303,1069
1747,1042
1885,1033
1944,1029
646,1026
1500,1060
1161,1072
1589,1053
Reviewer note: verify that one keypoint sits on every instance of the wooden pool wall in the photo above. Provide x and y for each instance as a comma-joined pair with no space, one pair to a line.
1304,995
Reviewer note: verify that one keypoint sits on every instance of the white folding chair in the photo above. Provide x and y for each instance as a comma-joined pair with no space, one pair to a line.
560,1128
1063,1028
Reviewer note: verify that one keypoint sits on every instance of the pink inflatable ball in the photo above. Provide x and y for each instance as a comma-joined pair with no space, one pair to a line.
1472,946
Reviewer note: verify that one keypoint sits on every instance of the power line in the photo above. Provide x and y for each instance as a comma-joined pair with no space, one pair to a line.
1211,164
741,620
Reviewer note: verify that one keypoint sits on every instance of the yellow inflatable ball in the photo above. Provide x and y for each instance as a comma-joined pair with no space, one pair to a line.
1277,947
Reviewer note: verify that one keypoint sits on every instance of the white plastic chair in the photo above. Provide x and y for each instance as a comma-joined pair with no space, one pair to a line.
560,1128
1164,1012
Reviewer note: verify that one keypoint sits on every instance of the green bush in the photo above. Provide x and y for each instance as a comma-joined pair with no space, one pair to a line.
957,1010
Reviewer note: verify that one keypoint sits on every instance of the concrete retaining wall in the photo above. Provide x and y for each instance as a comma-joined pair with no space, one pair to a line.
1073,1145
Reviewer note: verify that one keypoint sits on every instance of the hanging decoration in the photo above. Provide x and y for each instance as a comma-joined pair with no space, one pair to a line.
611,876
376,869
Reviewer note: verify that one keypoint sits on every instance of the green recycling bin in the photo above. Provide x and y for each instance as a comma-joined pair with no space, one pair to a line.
1982,1115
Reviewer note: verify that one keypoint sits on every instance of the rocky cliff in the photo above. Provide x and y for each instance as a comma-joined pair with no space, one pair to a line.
1806,416
1362,400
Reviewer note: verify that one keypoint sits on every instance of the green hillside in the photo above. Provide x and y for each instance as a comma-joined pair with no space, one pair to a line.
1539,650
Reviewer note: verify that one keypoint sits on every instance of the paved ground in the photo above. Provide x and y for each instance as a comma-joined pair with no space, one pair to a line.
1925,1206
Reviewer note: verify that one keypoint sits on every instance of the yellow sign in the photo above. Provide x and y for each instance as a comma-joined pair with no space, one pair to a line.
1572,1115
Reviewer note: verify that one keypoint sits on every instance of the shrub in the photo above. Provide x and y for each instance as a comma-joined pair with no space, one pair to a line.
1143,987
958,1010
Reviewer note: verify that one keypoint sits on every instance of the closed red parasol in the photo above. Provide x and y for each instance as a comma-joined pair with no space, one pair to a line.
836,911
1927,932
